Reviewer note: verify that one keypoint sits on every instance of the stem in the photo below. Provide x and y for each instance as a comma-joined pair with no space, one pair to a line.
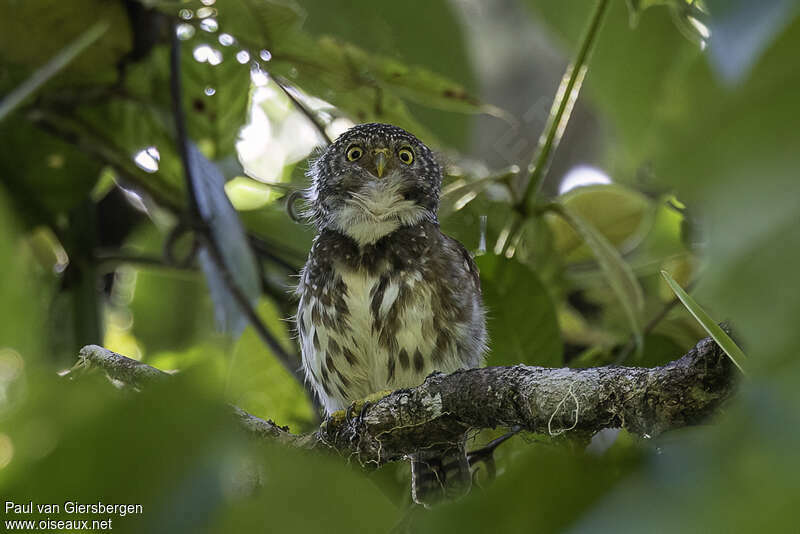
561,110
181,136
247,309
196,219
280,82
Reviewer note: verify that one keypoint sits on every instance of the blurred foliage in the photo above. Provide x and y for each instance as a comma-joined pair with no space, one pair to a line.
700,139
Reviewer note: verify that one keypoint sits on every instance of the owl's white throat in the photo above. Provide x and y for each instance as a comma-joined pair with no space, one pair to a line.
376,210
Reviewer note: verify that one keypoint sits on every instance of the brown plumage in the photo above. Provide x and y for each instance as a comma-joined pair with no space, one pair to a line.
385,297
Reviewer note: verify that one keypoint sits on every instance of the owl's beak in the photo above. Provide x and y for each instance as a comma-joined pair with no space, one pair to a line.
380,161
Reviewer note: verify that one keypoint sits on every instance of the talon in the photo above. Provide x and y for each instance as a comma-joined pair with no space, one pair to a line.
348,413
366,405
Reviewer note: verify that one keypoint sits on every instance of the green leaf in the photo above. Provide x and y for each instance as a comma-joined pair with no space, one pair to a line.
259,384
741,31
51,68
524,495
653,54
365,86
157,290
714,330
522,322
22,289
618,273
216,117
288,239
433,38
362,83
216,211
266,22
45,176
622,215
34,33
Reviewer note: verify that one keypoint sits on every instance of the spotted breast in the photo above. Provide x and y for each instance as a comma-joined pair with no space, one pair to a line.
385,315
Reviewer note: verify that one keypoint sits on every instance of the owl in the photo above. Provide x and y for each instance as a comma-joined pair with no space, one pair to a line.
385,297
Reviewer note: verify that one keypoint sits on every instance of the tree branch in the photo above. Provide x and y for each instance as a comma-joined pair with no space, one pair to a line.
644,401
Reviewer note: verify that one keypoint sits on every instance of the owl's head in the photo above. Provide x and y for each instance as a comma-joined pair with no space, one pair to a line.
374,179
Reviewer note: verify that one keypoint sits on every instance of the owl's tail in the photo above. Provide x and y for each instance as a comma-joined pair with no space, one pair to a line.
440,474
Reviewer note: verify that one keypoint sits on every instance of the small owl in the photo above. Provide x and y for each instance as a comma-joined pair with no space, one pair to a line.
385,297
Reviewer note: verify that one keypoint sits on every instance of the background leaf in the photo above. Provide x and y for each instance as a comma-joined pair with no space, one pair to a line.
622,215
522,322
217,212
741,32
723,340
618,273
50,69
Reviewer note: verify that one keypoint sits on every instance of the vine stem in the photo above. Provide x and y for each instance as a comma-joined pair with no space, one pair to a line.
208,239
308,113
567,94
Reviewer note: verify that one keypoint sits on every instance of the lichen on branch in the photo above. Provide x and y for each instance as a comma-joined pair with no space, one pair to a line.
644,401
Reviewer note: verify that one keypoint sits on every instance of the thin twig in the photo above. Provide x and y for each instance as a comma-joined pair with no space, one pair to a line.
280,82
562,108
181,136
95,146
288,361
210,243
265,249
110,260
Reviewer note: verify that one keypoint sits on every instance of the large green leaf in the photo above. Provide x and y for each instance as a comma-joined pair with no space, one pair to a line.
622,215
176,451
46,176
365,85
730,153
432,37
631,69
741,31
618,273
51,68
522,322
236,264
709,325
33,33
258,383
545,490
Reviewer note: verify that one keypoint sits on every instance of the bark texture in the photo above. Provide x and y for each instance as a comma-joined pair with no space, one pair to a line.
645,401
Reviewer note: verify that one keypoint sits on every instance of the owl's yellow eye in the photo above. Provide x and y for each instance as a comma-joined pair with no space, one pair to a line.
354,153
406,155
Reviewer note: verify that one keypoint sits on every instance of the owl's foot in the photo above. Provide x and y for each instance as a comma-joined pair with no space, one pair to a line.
361,406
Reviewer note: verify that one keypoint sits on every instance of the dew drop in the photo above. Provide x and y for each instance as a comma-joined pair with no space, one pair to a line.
243,56
209,25
184,31
205,12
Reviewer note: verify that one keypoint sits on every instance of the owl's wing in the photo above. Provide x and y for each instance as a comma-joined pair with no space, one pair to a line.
469,262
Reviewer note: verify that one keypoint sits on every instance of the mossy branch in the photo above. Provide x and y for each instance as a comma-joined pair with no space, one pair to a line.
644,401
